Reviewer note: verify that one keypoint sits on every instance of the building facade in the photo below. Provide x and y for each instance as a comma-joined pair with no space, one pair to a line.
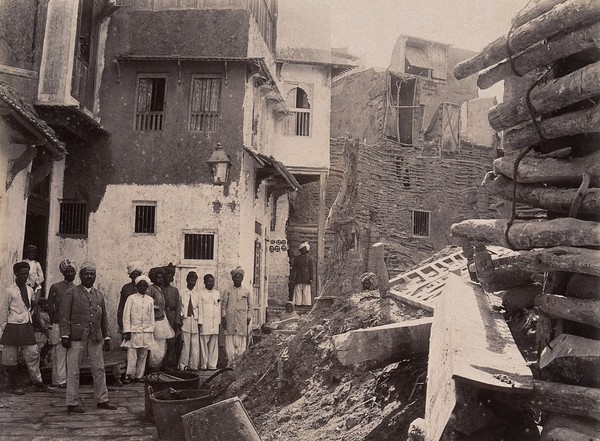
29,148
425,145
145,93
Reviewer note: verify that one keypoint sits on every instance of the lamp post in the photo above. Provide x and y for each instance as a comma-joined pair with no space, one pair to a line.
220,164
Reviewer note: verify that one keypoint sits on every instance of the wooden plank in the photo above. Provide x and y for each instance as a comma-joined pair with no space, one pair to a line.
477,350
555,199
572,359
567,124
564,17
544,54
586,311
383,344
550,171
527,235
396,280
569,259
394,294
587,426
577,86
562,434
566,399
484,351
18,72
533,10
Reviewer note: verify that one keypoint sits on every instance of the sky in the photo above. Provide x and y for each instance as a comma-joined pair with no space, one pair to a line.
370,28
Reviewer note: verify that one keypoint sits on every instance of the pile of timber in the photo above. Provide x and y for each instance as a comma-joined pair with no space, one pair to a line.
550,119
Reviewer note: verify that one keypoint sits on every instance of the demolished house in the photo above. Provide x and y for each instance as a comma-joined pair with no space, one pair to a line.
425,145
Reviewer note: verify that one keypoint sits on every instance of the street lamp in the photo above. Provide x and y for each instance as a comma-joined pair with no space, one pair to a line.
220,164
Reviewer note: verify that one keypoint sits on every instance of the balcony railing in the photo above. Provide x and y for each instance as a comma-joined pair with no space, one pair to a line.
298,123
204,122
82,87
149,121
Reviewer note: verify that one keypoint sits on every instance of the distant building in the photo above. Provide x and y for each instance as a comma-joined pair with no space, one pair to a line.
425,145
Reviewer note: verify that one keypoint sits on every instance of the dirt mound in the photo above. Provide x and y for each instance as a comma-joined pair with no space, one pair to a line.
324,400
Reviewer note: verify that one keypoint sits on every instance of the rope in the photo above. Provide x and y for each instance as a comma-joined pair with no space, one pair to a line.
533,115
581,191
509,50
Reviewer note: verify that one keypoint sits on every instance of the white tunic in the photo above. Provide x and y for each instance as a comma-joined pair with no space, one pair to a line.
210,311
138,318
189,324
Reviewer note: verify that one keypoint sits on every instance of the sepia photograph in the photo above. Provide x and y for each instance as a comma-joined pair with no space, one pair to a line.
300,220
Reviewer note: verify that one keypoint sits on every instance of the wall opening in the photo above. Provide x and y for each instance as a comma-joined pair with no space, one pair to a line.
149,113
145,217
421,223
199,246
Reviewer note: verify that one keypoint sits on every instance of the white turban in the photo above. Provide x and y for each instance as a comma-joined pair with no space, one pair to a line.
134,266
304,245
145,278
238,270
88,265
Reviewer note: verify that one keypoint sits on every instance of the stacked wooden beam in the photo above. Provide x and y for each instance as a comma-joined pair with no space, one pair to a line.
550,119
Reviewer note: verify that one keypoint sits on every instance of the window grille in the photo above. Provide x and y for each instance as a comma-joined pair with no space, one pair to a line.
421,223
199,246
150,106
73,218
298,123
145,218
205,104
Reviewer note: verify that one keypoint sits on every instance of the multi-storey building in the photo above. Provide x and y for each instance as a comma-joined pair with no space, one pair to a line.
186,126
29,148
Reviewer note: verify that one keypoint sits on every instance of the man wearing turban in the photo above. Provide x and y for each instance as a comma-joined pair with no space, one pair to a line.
16,330
57,292
134,269
236,314
302,276
84,328
368,281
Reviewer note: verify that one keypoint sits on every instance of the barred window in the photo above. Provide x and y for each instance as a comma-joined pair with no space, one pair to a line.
145,217
420,223
73,218
298,122
199,246
205,103
150,107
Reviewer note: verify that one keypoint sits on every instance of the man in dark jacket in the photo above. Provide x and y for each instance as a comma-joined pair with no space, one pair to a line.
302,276
84,327
173,313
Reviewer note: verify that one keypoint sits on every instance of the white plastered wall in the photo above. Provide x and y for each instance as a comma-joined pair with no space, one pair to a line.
13,207
307,151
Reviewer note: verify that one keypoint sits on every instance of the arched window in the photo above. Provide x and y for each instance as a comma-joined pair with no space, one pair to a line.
298,123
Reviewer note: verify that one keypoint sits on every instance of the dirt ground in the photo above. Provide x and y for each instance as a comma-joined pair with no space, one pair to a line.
325,400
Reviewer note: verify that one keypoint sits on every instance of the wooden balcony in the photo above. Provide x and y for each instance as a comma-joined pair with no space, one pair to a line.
149,121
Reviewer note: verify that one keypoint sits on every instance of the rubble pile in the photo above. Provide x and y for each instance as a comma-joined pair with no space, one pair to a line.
317,397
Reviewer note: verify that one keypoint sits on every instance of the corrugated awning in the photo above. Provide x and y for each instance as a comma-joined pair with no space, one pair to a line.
24,114
270,163
417,57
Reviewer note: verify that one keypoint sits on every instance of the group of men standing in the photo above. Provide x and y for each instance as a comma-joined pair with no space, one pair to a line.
79,319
